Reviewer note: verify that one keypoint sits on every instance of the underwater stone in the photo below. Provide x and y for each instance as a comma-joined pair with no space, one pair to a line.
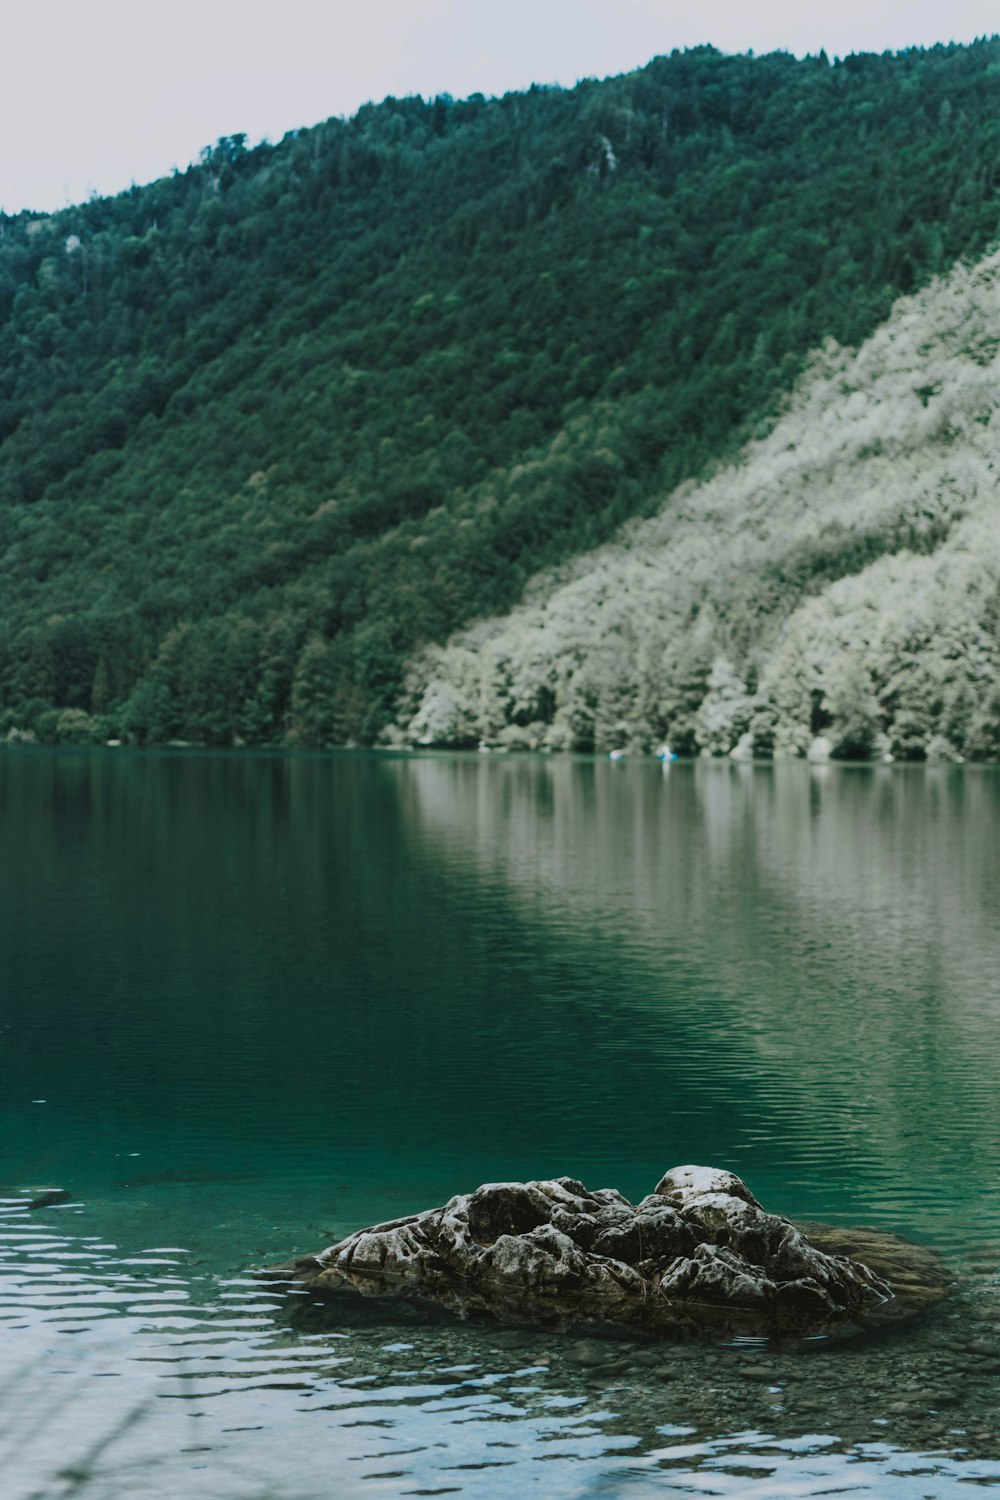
48,1197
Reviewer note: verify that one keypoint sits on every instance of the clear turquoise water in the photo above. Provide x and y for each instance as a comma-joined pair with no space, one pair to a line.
248,1003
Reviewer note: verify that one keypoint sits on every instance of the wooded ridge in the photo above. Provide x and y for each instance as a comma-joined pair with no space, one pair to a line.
837,588
272,427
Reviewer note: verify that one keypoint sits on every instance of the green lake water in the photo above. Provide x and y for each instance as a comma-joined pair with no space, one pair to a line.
249,1003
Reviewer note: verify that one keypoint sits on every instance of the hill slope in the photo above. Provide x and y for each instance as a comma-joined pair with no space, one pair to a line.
842,579
268,426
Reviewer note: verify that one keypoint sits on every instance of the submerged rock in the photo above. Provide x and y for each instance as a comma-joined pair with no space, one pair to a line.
698,1253
48,1197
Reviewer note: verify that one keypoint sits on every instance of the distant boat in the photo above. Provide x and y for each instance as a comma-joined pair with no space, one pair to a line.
665,753
617,754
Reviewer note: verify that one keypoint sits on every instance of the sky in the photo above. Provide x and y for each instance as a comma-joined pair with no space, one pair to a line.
96,95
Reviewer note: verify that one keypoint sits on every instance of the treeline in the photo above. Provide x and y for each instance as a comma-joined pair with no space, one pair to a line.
269,425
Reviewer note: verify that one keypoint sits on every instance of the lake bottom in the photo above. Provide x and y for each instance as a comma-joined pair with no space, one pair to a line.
142,1374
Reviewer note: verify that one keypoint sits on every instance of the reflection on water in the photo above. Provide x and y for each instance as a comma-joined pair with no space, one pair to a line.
822,944
250,1003
817,947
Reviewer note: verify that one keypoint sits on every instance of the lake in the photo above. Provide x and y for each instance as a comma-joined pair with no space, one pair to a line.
249,1003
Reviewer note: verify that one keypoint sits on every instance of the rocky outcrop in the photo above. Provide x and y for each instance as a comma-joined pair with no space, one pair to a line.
698,1253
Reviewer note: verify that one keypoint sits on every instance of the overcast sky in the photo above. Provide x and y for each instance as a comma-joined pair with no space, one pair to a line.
96,95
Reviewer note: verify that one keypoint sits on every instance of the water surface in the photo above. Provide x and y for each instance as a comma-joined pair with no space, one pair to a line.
250,1003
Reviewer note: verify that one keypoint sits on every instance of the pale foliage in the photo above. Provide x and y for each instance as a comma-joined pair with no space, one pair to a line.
843,577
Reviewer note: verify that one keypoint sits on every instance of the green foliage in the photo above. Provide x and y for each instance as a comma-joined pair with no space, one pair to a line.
268,425
835,591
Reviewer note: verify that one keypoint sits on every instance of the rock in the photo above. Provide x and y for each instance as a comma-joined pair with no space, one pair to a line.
648,1358
700,1253
587,1353
916,1275
48,1197
976,1346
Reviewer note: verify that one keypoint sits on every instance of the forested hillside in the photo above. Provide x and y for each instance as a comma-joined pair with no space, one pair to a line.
837,588
270,426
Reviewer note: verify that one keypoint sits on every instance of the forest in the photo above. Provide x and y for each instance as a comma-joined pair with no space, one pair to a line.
834,592
275,428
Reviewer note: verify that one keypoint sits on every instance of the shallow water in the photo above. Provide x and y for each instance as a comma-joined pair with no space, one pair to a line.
249,1003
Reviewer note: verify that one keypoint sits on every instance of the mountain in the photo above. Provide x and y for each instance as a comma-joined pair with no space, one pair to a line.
272,427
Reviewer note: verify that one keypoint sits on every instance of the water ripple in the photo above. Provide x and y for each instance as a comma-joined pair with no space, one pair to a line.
193,1378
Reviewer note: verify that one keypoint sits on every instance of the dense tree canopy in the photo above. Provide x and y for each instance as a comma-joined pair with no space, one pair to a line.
271,424
834,591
